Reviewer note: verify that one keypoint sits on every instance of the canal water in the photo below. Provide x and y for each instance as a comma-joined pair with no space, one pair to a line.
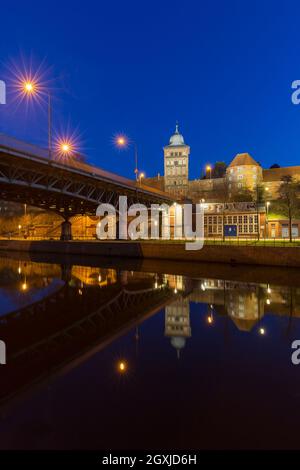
113,354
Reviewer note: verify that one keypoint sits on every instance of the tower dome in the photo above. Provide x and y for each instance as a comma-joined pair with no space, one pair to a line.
176,138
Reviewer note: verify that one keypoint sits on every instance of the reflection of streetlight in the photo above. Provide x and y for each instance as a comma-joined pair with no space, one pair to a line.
122,141
210,319
262,331
24,285
122,367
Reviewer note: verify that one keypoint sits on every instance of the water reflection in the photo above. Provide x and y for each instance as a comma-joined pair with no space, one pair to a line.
55,316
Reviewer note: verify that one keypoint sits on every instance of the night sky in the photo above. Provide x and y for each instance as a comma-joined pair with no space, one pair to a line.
223,69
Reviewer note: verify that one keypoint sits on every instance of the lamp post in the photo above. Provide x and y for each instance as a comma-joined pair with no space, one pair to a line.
267,217
208,170
140,177
122,142
31,89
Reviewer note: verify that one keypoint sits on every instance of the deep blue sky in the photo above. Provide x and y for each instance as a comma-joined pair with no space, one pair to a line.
222,68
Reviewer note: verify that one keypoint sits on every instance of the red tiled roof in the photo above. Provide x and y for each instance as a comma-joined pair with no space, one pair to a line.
243,159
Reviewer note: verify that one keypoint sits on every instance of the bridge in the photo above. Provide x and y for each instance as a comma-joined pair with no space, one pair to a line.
67,186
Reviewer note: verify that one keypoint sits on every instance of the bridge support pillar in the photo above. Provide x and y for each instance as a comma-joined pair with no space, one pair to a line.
66,272
66,230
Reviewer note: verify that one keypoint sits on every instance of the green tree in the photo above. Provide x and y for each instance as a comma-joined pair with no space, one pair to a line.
242,195
218,170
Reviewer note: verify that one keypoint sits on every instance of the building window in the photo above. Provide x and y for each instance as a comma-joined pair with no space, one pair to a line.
240,185
240,177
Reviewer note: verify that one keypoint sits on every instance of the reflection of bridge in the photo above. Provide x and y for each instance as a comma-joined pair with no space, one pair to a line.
66,187
74,322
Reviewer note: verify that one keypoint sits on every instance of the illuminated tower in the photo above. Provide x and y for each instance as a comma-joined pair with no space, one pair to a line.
176,164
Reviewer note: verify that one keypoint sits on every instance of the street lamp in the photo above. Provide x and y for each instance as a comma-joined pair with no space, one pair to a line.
141,176
122,142
19,227
267,216
64,147
32,89
208,169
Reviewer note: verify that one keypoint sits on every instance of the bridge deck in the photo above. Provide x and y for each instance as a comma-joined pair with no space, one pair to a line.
17,148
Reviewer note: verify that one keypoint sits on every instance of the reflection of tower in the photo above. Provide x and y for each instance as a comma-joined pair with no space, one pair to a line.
177,323
245,306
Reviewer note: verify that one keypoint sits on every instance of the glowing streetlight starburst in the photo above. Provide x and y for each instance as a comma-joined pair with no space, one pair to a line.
67,143
121,141
65,147
29,87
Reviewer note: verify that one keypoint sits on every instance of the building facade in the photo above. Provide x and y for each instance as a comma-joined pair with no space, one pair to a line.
244,173
243,180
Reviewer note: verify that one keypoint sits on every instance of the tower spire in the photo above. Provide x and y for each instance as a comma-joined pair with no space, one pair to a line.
177,128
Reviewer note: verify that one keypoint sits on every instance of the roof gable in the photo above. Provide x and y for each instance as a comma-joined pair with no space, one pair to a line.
243,159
